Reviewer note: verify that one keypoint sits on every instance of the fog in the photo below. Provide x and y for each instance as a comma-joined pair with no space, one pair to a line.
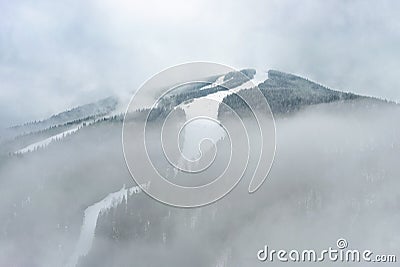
334,175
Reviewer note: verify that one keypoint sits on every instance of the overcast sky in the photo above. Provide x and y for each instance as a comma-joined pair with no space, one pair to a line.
58,54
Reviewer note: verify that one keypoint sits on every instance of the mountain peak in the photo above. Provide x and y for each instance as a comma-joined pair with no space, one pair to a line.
276,74
287,93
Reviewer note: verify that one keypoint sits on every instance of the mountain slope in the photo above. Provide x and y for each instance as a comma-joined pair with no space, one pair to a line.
288,93
38,134
328,163
95,109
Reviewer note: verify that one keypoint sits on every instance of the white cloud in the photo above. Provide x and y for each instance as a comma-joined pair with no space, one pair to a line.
55,55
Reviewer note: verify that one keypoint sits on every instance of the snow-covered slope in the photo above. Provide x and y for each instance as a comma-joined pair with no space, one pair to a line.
92,110
207,106
45,195
200,106
218,82
90,219
43,143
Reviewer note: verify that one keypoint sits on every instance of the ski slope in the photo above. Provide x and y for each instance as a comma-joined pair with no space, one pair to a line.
90,220
47,141
205,108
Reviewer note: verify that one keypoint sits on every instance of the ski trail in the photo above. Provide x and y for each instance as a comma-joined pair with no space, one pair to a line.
218,82
197,130
90,220
44,143
199,107
47,141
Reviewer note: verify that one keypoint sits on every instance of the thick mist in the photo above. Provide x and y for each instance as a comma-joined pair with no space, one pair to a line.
335,175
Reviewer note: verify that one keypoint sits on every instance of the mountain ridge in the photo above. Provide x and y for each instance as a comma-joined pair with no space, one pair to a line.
285,92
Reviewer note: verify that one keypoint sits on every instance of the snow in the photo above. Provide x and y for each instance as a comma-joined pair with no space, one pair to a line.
201,128
219,81
195,132
199,107
222,261
90,220
260,77
95,109
47,141
44,143
220,95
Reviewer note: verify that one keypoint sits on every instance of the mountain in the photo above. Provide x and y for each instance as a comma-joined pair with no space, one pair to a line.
74,115
69,200
33,135
287,93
